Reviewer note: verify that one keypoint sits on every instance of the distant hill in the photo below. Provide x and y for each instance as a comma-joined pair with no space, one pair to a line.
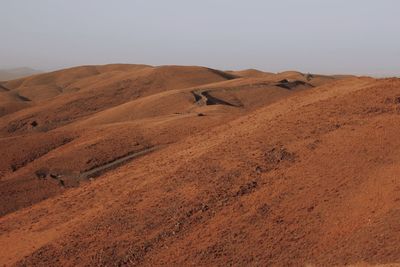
10,74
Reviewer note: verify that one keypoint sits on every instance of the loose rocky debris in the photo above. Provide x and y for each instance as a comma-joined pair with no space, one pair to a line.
41,173
264,209
392,100
259,169
247,188
313,145
278,155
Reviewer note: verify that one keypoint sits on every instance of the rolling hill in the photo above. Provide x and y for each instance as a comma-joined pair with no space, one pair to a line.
131,165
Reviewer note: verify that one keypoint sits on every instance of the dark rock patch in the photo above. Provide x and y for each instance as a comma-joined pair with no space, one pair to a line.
289,85
247,188
278,155
41,173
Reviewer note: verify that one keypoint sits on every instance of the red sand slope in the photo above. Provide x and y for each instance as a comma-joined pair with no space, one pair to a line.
201,168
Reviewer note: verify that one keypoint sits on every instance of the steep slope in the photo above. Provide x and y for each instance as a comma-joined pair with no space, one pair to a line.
308,179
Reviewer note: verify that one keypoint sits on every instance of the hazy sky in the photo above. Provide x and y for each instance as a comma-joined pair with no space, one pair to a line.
325,36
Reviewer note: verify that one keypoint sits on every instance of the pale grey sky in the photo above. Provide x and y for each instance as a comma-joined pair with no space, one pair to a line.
323,36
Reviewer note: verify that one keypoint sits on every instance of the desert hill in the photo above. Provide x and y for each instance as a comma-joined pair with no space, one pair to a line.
250,73
140,165
114,111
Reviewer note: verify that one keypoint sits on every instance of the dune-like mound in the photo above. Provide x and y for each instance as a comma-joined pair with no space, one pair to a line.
130,165
250,73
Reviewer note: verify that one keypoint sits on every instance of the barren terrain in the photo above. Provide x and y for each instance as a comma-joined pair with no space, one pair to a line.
125,165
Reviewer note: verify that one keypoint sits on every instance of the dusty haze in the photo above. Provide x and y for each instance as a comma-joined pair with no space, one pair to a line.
358,37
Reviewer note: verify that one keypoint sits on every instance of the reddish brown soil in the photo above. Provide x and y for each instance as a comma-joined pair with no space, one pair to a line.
193,166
